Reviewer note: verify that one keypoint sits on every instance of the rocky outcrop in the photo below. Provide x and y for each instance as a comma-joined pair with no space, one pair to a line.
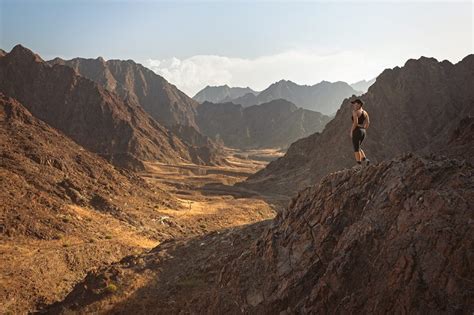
92,116
414,108
221,94
42,172
274,124
395,237
136,83
324,97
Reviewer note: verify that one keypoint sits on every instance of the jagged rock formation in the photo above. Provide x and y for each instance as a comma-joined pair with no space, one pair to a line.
274,124
92,116
393,237
414,108
363,85
42,171
221,94
324,97
136,83
160,99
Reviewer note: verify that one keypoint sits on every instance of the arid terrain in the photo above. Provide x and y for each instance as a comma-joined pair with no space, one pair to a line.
34,273
121,194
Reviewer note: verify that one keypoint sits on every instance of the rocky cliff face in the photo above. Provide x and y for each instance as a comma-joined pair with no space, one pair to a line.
393,237
221,94
390,238
274,124
414,108
324,97
95,118
135,83
42,172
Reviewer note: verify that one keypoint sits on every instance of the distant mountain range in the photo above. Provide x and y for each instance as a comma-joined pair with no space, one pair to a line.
277,123
221,94
324,97
425,106
363,85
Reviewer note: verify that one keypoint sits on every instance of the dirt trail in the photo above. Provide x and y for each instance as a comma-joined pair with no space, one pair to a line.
38,272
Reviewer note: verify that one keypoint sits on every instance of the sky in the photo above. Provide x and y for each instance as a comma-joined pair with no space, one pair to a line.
243,43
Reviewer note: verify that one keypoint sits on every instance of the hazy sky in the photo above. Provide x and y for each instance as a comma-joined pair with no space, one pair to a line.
243,43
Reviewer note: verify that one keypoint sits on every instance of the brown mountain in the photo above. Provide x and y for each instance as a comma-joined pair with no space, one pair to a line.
392,237
274,124
414,108
92,116
324,97
136,83
43,172
160,99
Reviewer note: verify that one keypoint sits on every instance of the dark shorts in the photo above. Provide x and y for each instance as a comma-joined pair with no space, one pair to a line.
358,136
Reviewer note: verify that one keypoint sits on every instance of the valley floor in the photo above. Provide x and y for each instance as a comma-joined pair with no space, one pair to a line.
34,273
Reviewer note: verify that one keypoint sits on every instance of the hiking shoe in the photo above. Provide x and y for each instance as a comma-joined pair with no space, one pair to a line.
367,162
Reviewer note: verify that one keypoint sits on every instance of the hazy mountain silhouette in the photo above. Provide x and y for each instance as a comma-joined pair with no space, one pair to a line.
362,85
274,124
324,97
221,94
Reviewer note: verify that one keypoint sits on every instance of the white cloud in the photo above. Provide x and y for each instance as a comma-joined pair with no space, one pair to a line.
303,67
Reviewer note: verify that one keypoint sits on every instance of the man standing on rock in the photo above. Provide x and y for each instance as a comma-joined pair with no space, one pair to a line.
360,122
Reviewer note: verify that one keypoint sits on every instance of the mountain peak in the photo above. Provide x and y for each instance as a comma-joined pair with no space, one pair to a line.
24,53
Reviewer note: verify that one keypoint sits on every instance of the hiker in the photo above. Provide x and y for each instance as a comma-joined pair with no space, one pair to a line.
360,122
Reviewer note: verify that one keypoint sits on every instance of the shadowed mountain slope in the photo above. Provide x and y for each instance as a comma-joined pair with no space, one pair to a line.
43,172
274,124
92,116
136,83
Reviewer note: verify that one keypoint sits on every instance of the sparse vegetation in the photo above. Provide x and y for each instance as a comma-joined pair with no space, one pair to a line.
111,288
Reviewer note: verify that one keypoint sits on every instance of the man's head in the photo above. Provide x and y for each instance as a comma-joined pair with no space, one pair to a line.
357,103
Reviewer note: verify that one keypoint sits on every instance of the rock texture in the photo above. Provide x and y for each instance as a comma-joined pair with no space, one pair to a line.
396,237
416,107
92,116
136,83
274,124
42,172
221,94
324,97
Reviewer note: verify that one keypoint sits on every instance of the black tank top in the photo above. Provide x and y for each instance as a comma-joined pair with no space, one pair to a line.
360,119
